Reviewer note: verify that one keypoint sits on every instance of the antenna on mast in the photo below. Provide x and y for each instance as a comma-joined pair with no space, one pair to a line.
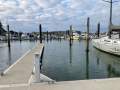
110,20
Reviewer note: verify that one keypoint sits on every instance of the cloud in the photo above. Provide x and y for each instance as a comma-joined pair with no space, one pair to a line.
6,6
59,13
47,3
23,4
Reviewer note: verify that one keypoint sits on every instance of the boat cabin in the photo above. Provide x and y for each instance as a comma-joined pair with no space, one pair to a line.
115,29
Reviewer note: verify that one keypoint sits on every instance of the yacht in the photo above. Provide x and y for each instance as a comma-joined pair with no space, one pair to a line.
76,36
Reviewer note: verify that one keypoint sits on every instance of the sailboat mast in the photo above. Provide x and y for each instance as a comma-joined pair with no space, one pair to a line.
111,12
110,22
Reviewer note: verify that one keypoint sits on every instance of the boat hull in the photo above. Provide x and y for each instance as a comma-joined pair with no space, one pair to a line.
110,48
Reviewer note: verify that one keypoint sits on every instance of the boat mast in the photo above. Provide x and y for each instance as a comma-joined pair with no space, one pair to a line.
110,20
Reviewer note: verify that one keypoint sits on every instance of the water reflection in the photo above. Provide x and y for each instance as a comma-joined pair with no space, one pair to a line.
87,59
112,71
70,53
87,65
98,61
112,63
9,56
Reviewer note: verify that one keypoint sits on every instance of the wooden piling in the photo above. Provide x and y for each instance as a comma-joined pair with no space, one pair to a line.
47,35
40,33
87,48
98,32
87,39
70,34
8,36
20,36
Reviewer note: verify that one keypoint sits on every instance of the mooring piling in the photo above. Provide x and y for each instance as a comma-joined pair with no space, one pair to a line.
98,31
8,36
47,35
20,36
87,39
40,33
70,34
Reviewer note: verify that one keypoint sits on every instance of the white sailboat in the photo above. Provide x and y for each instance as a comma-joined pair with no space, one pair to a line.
105,44
109,44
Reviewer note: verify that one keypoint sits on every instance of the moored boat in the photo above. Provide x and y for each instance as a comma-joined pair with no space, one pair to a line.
105,44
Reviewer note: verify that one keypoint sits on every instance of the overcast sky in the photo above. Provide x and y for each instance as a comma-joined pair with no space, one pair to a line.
25,15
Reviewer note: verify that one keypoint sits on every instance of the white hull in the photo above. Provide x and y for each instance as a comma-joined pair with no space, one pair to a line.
107,45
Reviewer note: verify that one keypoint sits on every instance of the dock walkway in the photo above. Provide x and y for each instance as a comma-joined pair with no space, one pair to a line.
21,71
17,77
103,84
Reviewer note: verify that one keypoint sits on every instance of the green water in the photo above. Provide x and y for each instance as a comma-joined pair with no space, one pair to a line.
63,62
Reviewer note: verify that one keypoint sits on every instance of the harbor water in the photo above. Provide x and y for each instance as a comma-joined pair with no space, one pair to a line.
62,62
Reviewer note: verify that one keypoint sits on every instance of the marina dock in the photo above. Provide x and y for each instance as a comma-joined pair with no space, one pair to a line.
103,84
18,77
21,71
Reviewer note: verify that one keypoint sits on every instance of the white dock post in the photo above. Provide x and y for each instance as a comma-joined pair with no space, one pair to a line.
37,67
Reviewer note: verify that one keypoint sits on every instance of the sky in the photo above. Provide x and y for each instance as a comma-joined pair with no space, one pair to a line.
57,15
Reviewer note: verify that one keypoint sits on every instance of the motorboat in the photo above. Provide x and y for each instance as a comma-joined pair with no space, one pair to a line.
75,36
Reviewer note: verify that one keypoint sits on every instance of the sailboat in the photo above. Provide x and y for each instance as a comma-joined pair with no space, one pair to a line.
109,44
